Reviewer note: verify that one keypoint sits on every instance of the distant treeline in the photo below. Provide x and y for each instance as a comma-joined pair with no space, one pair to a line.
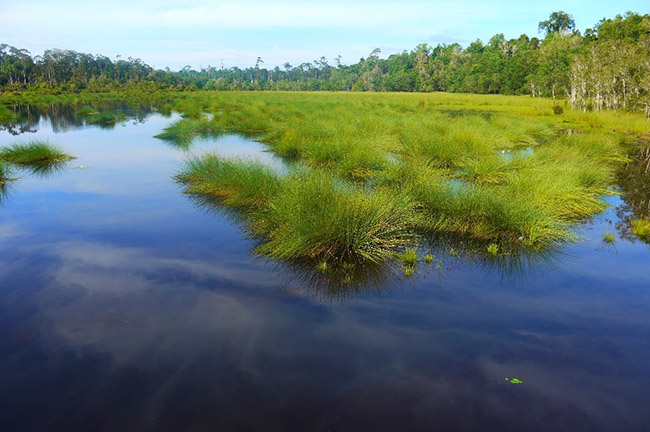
607,67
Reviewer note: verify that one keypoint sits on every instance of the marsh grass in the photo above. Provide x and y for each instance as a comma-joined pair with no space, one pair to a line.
182,132
106,118
5,173
433,160
641,229
6,113
609,237
34,153
86,111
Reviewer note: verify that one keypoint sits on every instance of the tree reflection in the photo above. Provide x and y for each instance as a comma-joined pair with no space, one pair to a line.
634,181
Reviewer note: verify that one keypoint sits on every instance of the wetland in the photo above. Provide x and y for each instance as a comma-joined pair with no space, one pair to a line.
330,261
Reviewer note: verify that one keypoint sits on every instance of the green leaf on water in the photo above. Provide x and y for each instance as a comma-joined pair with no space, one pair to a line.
514,380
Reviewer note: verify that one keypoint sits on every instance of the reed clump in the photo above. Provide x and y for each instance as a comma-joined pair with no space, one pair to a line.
182,132
33,152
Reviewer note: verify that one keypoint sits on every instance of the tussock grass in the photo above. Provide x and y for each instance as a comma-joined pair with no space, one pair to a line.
641,229
33,152
435,160
106,118
441,154
239,184
182,132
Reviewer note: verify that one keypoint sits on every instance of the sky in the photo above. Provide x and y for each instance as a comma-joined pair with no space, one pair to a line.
202,33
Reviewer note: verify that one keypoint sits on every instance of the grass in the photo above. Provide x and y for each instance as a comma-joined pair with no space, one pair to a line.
641,229
434,159
106,118
182,132
5,173
378,172
33,152
609,237
308,214
409,257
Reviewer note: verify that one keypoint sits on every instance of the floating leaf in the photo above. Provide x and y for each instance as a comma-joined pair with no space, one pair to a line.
514,380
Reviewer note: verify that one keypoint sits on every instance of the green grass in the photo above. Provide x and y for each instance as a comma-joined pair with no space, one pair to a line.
409,257
5,173
6,113
33,152
379,172
182,132
435,159
106,118
609,237
641,229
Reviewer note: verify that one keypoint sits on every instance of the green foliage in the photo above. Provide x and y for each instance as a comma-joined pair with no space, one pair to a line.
182,132
409,257
377,171
641,229
106,118
605,69
5,172
428,258
33,152
557,22
493,249
514,380
609,237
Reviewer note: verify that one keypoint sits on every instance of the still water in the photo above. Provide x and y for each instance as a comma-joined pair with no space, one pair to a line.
125,306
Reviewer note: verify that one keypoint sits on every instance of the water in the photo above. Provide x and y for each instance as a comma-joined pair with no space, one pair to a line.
124,306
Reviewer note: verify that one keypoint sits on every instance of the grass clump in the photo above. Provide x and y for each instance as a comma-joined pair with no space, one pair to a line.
409,257
106,118
307,215
428,258
238,184
494,172
641,229
316,216
34,152
609,237
86,111
182,132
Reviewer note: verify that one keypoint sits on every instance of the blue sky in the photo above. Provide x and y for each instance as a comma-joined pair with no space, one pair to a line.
201,33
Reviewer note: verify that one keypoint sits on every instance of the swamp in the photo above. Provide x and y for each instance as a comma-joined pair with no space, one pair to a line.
322,261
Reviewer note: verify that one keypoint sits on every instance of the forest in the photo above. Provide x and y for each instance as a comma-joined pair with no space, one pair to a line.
604,67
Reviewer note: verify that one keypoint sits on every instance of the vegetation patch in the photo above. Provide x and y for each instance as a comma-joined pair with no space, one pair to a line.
378,173
34,152
641,229
182,132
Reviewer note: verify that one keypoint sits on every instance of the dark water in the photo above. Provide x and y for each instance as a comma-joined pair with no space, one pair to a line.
124,306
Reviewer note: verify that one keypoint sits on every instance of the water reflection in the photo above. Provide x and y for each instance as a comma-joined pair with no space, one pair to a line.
65,117
634,182
122,307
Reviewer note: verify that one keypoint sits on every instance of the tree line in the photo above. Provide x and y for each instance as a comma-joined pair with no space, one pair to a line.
607,67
